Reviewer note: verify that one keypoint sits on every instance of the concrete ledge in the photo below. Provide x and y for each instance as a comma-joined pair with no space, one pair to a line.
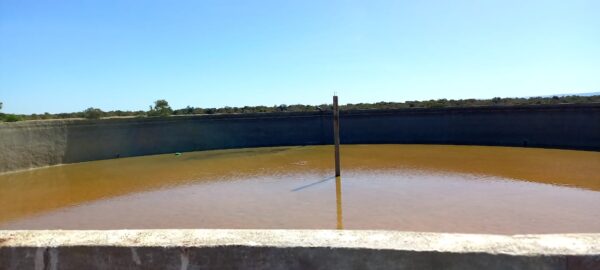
293,249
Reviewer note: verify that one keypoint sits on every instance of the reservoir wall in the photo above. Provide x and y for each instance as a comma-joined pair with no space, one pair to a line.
33,144
293,249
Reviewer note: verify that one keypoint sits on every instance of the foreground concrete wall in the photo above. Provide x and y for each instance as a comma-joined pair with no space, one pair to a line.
292,249
39,143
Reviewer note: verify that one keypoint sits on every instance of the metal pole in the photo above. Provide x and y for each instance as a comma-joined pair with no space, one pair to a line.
336,134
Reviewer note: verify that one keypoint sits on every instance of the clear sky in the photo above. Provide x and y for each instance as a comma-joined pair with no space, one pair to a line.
64,56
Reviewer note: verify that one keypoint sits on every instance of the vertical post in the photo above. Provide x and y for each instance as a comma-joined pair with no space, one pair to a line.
336,134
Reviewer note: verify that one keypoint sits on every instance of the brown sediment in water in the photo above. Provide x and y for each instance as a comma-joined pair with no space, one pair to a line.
30,199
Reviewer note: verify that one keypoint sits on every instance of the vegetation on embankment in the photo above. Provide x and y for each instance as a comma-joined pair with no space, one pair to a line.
162,108
8,117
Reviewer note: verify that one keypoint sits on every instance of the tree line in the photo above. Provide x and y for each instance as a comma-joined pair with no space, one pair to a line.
161,107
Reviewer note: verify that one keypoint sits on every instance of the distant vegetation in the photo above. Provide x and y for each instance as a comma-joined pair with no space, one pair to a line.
9,117
93,113
162,108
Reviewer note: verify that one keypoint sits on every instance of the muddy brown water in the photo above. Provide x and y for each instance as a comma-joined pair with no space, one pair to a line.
437,188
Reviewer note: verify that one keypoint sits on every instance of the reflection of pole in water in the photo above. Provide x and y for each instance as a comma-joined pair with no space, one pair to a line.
338,202
336,134
338,179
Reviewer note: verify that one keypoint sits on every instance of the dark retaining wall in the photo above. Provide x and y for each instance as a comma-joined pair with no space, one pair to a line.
39,143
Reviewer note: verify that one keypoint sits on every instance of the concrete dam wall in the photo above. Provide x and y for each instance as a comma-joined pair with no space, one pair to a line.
293,249
33,144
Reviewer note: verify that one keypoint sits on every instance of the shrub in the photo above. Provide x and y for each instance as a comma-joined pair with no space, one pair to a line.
92,113
12,118
161,108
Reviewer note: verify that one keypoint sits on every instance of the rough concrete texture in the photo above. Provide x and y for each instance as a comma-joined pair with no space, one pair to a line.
34,144
293,249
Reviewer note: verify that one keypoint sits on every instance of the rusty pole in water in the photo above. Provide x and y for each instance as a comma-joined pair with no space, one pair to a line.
336,134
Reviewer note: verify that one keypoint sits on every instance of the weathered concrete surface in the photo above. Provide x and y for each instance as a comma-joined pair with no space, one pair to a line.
293,249
32,145
40,143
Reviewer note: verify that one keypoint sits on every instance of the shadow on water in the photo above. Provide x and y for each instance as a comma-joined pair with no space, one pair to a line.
338,197
313,184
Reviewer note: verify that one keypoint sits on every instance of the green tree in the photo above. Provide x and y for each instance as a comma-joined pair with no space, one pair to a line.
92,113
161,108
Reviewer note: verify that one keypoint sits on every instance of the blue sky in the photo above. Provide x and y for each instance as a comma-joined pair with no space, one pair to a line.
63,56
